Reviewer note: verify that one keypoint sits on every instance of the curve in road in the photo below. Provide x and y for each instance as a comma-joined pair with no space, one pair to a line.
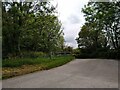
79,73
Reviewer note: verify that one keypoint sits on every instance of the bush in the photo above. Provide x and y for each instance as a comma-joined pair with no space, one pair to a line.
32,54
113,54
99,53
25,54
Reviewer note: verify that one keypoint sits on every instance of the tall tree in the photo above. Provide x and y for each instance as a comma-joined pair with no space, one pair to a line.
101,29
103,19
31,26
14,17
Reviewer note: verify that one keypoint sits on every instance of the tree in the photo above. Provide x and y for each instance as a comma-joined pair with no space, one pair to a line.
101,29
14,17
30,26
106,17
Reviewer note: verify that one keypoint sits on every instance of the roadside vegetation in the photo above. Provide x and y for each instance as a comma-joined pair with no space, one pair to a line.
99,37
32,38
20,66
30,27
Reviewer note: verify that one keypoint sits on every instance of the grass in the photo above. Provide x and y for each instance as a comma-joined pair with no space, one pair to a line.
15,67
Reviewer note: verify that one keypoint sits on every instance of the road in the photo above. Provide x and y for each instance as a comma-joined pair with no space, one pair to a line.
79,73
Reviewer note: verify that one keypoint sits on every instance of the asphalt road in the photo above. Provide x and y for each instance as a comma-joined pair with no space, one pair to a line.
80,73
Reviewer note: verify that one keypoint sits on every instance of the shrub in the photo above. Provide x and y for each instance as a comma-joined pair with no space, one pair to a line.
32,54
99,53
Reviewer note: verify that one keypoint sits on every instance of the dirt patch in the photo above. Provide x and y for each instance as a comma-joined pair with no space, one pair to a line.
11,72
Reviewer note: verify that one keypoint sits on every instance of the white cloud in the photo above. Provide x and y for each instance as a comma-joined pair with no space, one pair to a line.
72,18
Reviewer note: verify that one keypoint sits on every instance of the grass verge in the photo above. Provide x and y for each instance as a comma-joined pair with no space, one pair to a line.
15,67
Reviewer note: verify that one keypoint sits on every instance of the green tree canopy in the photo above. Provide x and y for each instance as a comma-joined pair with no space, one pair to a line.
31,26
102,27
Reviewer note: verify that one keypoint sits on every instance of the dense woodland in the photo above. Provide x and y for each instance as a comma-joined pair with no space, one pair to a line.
99,37
30,28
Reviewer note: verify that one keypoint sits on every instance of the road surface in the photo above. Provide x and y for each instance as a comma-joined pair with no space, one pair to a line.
79,73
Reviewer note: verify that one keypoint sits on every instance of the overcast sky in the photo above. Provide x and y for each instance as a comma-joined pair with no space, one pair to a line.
72,18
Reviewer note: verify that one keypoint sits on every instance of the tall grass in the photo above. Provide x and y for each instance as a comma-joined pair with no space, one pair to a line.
21,66
56,61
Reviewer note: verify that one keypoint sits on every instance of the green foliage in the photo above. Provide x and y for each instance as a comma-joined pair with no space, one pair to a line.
76,52
56,61
32,54
98,53
100,33
30,26
15,67
68,49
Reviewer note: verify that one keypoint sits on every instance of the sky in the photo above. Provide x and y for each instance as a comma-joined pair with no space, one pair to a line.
69,13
